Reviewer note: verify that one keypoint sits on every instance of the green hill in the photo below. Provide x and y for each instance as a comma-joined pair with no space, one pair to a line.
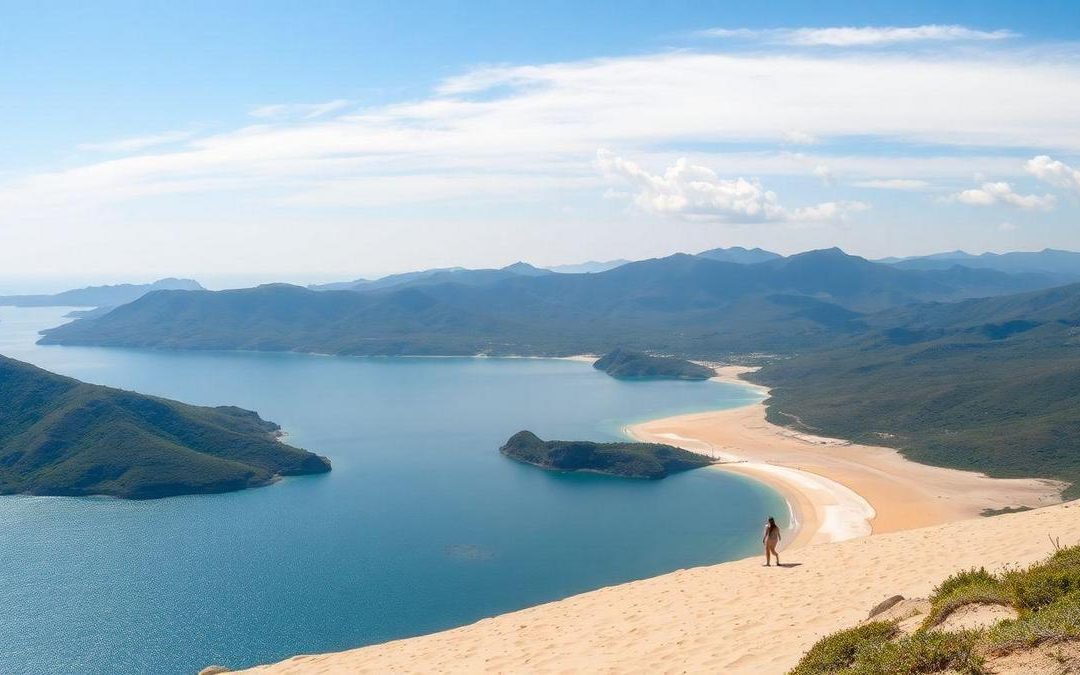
627,460
59,436
627,363
991,385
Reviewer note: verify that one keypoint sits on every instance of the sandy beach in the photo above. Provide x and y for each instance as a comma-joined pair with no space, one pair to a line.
840,490
712,619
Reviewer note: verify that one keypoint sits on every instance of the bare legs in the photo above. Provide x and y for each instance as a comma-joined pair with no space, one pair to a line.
770,550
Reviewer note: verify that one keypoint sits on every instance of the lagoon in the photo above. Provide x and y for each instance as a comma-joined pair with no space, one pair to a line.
422,525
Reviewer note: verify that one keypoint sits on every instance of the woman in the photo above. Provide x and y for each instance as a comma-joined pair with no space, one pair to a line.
771,539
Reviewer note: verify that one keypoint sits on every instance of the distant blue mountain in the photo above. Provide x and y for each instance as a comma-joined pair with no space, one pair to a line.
590,267
100,296
441,275
681,304
740,255
1064,264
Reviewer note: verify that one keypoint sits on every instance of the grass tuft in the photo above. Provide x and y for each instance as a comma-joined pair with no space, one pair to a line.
971,587
837,652
922,652
1046,595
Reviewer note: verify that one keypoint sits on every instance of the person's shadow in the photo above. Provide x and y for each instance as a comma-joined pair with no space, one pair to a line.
788,564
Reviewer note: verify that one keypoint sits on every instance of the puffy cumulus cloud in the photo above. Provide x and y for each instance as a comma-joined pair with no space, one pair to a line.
1053,172
991,194
697,192
860,36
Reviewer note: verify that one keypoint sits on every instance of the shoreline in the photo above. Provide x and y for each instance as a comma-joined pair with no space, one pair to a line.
838,490
706,618
710,619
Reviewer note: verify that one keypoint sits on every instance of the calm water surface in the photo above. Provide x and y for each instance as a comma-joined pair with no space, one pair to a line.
422,525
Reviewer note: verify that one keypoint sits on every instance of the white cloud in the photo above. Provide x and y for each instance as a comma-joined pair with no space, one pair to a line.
893,184
1053,172
860,36
307,111
991,194
137,143
799,138
1006,227
697,192
543,123
824,174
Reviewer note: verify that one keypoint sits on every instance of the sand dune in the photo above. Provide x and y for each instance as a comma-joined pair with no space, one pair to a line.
736,617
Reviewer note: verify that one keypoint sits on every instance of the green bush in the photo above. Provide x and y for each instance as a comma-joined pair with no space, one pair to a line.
922,652
1047,595
975,586
1057,622
838,651
1042,583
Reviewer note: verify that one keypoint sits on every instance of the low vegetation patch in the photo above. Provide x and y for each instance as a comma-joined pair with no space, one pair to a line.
923,652
1046,597
837,652
973,587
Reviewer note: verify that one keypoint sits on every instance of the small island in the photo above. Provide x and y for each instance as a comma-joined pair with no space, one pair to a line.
627,363
626,460
60,436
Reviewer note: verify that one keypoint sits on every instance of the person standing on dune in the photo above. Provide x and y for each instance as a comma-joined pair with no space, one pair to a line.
770,540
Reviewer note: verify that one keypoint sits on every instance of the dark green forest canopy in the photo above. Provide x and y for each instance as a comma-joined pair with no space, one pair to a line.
628,363
627,460
59,436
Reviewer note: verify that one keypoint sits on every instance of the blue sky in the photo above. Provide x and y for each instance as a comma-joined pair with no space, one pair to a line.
259,140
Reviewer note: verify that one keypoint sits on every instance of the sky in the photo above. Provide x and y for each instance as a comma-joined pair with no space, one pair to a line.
245,142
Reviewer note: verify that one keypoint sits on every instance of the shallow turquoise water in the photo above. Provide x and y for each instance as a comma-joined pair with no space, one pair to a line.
422,524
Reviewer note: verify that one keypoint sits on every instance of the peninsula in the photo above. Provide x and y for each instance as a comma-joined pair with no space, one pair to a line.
60,436
628,364
626,460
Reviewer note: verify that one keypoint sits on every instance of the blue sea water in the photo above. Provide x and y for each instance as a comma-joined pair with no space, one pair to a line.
422,525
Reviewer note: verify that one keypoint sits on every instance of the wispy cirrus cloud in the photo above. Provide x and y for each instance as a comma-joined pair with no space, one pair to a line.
893,184
859,36
307,111
542,123
137,143
697,192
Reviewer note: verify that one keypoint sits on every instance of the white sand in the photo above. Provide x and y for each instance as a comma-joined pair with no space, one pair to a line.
736,617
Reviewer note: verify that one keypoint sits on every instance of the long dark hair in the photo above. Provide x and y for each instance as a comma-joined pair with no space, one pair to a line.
772,525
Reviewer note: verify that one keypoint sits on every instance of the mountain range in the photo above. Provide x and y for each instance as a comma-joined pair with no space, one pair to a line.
100,296
681,304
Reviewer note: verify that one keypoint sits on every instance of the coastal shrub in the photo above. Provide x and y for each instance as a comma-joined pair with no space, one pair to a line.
837,652
1041,584
974,586
921,652
1057,622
